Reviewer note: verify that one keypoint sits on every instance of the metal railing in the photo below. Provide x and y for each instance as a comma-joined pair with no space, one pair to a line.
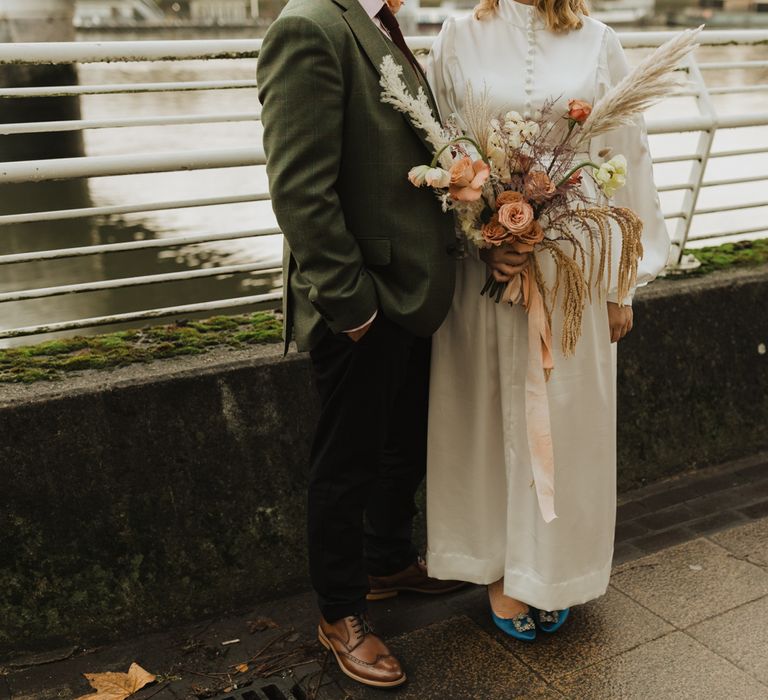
703,120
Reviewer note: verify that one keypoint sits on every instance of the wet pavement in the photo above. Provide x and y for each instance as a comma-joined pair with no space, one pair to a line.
681,620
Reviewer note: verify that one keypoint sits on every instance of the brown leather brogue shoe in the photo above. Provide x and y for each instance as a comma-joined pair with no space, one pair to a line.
359,652
414,578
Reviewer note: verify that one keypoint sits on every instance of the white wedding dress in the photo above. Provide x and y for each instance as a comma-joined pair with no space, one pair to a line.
482,511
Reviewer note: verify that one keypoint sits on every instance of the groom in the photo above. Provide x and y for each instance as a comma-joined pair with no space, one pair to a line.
369,273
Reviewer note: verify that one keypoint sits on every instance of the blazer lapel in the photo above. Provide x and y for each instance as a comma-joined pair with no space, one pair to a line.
376,46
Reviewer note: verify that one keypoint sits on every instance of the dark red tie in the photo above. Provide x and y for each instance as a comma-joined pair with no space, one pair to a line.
388,19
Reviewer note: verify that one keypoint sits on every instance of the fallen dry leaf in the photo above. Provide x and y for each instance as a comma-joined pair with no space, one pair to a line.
117,686
262,623
241,668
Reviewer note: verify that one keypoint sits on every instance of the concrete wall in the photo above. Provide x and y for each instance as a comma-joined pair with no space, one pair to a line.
154,494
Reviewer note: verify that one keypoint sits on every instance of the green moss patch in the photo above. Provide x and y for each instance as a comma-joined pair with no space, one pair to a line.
51,360
740,253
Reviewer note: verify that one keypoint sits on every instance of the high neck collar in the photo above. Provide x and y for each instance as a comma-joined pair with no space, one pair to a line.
518,13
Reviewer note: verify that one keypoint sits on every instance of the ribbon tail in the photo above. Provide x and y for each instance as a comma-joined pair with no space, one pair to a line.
537,403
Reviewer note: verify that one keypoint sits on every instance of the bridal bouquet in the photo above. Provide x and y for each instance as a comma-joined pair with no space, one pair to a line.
516,182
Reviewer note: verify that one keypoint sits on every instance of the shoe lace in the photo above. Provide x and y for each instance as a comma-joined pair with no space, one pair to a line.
361,625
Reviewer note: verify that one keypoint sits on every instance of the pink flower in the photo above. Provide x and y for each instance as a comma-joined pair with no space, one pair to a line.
493,232
467,179
516,217
507,197
538,187
579,110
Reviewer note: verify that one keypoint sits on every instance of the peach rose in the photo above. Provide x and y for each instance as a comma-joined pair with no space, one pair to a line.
493,232
516,217
525,242
538,187
578,110
507,197
467,179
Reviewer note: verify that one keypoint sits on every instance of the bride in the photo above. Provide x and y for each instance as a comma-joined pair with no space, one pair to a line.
483,516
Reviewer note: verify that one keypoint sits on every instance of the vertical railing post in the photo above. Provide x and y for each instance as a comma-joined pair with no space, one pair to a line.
680,261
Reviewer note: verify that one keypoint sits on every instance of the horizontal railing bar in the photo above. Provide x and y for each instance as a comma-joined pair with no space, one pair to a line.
86,212
127,246
659,160
655,126
755,150
725,65
171,311
80,124
713,183
675,187
646,40
731,207
729,234
737,89
132,88
680,124
130,164
734,181
179,50
121,283
127,51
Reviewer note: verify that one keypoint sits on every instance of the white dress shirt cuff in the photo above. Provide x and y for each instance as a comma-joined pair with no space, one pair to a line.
367,323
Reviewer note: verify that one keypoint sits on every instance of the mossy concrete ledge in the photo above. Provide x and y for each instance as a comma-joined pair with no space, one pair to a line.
151,494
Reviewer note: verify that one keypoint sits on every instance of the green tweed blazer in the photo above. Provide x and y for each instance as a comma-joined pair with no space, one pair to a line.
359,237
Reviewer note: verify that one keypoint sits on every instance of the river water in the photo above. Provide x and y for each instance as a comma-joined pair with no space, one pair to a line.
136,189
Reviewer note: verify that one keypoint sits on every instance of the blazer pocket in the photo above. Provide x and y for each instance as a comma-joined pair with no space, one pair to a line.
377,252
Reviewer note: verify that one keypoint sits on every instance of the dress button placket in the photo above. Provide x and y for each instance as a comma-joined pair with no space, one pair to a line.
529,65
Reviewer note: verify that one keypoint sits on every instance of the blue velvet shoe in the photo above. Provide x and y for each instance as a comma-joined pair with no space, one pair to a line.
550,622
520,627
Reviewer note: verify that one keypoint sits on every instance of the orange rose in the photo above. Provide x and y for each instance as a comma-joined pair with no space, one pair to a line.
578,110
516,217
538,187
493,232
525,242
467,179
507,197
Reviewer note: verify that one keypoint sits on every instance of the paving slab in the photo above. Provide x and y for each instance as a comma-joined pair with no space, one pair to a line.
691,582
597,631
456,660
673,667
741,636
748,541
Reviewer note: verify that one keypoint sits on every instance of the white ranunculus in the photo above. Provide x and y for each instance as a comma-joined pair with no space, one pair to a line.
512,117
611,175
437,177
418,175
530,130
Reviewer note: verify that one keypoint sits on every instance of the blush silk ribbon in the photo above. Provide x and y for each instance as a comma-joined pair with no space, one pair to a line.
522,289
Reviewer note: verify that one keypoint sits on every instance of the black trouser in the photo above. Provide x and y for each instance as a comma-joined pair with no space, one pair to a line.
368,458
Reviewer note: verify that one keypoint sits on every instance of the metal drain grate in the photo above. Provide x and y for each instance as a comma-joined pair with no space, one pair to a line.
266,690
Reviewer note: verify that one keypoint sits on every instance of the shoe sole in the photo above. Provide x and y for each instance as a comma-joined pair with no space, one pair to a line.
376,684
392,592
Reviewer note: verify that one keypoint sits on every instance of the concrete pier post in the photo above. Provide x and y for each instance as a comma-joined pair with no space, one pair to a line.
33,21
41,21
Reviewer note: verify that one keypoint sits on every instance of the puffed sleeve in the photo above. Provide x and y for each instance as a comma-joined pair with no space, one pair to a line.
440,68
639,194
